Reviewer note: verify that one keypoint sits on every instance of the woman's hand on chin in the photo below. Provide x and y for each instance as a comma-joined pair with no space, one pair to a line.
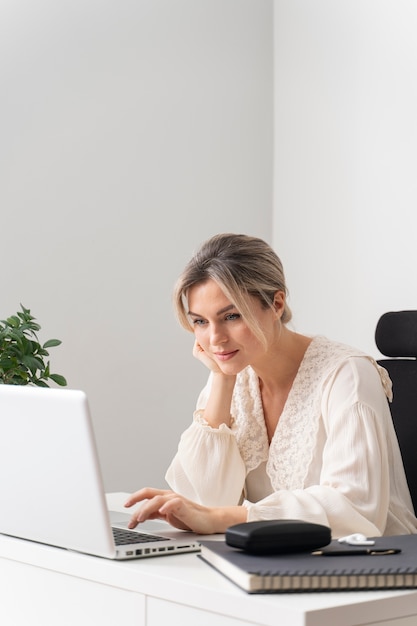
207,360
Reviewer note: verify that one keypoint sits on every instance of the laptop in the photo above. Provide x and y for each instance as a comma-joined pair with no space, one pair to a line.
51,488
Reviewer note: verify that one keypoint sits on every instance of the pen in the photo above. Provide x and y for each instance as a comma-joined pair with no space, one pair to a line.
350,552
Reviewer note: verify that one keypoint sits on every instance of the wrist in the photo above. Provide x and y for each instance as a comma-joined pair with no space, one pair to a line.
223,384
218,407
225,516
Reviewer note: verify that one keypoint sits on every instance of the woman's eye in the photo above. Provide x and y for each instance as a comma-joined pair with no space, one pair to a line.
198,322
233,316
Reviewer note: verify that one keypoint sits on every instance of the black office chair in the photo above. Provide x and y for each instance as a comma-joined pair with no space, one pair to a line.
396,337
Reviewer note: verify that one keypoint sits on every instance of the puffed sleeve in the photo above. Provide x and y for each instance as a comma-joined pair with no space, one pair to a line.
357,479
208,467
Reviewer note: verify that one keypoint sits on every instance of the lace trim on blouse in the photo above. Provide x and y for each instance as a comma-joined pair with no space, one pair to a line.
289,456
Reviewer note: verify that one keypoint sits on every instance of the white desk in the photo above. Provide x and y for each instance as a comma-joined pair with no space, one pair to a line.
40,585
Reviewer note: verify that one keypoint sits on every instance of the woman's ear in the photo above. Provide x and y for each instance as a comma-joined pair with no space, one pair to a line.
279,303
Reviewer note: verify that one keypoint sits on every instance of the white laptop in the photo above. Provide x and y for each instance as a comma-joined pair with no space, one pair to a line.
51,489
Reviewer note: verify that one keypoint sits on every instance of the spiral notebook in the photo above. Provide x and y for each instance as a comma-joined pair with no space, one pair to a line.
394,566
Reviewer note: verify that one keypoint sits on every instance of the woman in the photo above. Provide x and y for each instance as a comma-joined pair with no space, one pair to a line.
288,426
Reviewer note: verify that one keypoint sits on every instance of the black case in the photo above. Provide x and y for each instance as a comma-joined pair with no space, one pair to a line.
278,536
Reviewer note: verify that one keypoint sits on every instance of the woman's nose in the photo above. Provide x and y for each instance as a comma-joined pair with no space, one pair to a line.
218,335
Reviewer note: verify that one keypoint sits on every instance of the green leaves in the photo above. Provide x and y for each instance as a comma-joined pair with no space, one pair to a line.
51,343
22,357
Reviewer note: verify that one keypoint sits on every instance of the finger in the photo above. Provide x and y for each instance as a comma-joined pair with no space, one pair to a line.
188,515
134,520
149,510
197,349
175,511
144,494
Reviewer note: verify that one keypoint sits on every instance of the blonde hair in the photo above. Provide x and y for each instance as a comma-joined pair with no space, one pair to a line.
242,266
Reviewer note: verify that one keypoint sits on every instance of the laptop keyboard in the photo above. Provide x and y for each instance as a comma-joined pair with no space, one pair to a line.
125,537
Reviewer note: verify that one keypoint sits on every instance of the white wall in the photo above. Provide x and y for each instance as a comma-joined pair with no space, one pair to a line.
130,132
345,171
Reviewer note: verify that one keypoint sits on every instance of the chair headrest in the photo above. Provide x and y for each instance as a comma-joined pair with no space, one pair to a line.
396,334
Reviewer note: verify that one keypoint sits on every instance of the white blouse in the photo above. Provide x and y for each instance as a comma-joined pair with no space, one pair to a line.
334,458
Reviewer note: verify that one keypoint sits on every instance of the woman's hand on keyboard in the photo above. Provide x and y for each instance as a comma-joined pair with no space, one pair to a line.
183,513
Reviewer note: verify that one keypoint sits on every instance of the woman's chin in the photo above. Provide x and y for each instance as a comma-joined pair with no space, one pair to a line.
230,369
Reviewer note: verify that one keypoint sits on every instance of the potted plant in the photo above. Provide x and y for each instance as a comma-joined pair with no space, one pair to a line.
22,357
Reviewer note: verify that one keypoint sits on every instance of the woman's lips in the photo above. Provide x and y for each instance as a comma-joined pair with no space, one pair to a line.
226,356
